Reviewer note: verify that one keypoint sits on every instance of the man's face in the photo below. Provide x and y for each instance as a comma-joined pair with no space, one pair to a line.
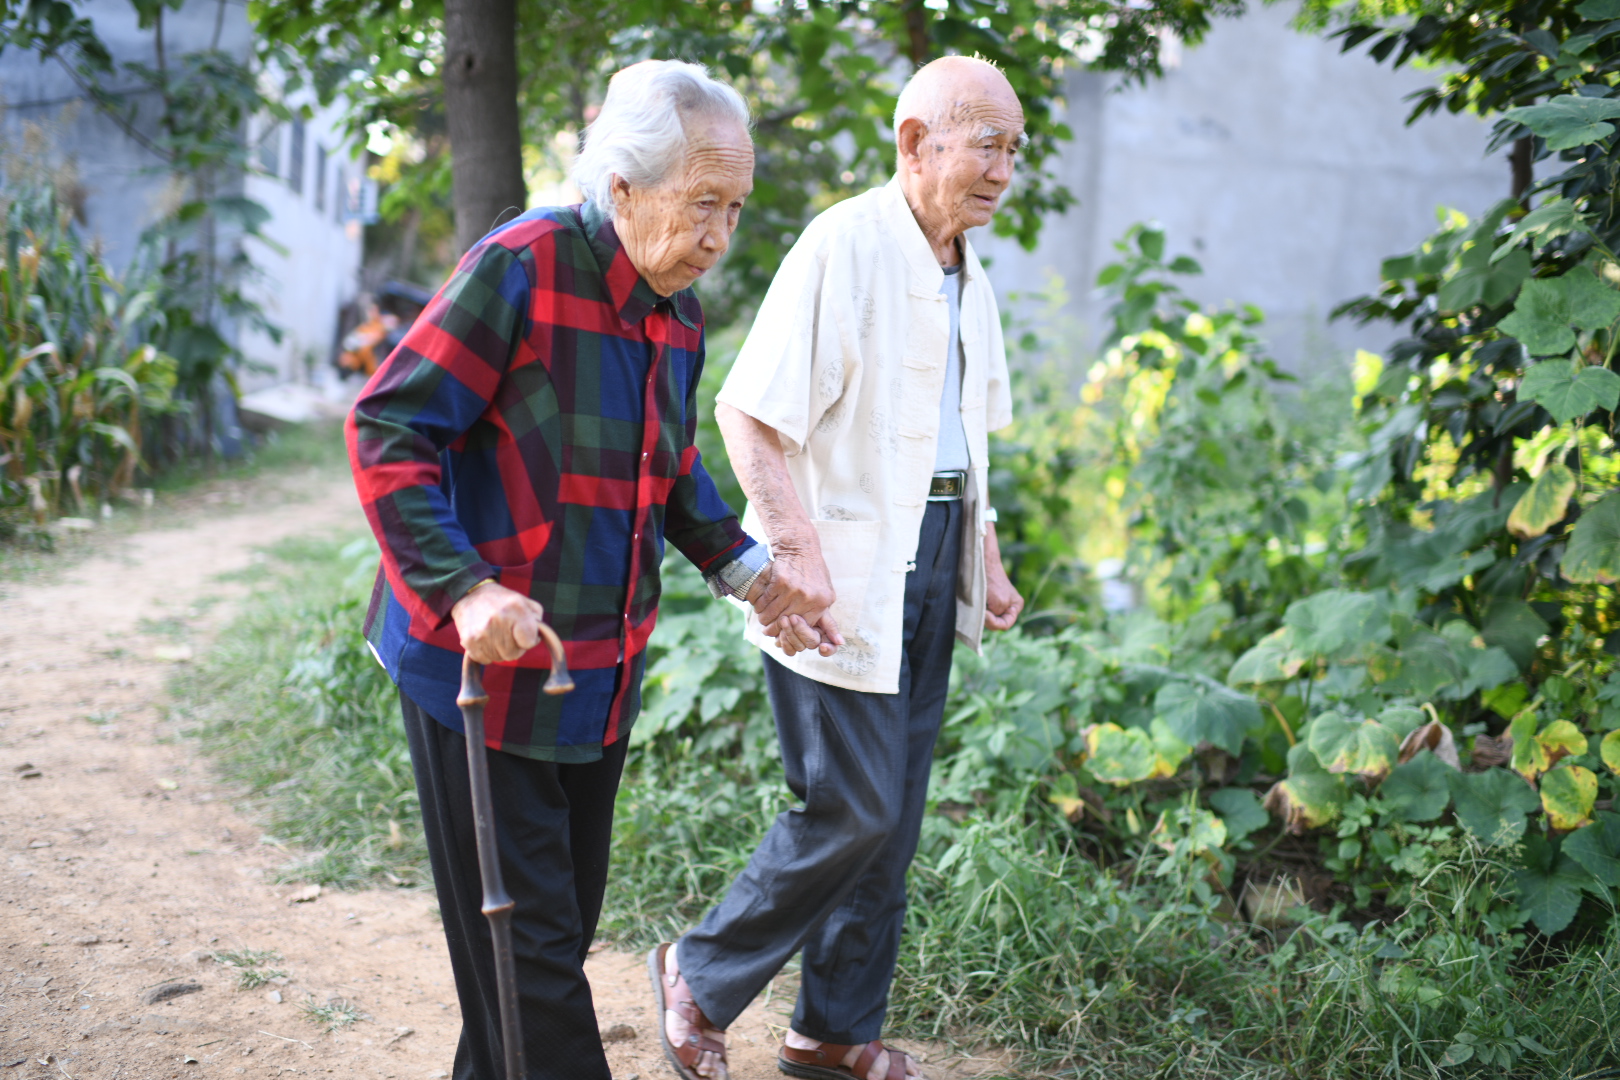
675,233
965,165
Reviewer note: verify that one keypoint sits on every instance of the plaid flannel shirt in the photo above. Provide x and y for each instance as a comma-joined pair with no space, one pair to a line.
536,425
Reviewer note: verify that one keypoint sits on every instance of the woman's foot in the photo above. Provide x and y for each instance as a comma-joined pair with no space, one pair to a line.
878,1070
678,1030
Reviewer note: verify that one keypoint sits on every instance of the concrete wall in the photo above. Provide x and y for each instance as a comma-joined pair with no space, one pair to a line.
1279,163
127,187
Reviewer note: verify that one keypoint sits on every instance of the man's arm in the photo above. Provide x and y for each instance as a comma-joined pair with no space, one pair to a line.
798,592
1002,604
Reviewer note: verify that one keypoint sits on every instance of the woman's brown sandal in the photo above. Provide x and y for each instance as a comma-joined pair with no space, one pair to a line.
825,1062
682,1058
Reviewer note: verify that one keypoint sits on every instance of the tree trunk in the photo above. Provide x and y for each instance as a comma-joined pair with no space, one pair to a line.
1523,167
481,113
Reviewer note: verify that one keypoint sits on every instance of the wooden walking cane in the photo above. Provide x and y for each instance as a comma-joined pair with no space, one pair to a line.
497,905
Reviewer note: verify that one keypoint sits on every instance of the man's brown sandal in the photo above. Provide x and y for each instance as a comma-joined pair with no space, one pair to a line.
825,1062
682,1058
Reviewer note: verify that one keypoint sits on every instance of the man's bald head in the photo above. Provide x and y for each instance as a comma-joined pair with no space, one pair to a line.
952,91
958,127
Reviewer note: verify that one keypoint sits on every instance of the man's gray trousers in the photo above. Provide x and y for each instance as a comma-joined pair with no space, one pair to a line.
830,876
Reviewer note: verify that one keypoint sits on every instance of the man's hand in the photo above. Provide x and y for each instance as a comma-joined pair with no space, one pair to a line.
793,605
1002,604
496,624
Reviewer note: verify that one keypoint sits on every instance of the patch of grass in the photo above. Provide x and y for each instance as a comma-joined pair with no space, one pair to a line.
335,1014
251,966
296,709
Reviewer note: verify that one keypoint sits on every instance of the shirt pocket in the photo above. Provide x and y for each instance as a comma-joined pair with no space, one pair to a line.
849,549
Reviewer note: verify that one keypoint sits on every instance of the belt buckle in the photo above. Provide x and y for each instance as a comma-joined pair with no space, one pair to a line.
944,486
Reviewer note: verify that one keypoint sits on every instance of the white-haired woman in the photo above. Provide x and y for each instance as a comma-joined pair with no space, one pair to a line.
525,452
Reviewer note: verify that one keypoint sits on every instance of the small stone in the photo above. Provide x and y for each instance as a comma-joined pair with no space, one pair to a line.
169,991
273,997
168,785
31,774
40,844
92,939
619,1033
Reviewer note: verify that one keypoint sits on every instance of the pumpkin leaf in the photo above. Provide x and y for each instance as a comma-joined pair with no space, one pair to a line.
1338,621
1364,747
1272,659
1597,848
1419,790
1529,755
1168,751
1567,795
1549,884
1561,739
1492,804
1544,505
1310,796
1201,713
1117,755
1567,393
1609,750
1241,810
1593,555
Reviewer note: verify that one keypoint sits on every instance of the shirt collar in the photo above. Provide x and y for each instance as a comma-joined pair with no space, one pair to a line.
914,244
628,291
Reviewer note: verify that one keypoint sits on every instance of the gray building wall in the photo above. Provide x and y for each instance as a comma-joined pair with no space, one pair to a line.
313,268
1280,164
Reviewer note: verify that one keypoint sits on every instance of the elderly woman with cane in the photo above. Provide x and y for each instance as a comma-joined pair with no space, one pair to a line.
522,455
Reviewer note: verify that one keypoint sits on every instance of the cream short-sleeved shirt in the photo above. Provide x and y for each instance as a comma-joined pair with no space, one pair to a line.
846,360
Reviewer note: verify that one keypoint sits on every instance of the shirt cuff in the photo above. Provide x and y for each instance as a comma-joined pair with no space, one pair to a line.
754,557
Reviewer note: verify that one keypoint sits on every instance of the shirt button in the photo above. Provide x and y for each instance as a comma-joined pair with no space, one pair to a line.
644,455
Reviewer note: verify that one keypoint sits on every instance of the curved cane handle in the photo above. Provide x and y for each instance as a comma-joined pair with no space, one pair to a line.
559,681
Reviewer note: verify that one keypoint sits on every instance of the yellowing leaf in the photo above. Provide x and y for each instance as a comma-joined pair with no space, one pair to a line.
1364,747
1567,795
1069,806
1561,739
1543,506
1117,755
1168,751
1310,796
1529,756
1610,749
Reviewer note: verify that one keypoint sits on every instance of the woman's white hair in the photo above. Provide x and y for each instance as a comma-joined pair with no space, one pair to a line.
640,134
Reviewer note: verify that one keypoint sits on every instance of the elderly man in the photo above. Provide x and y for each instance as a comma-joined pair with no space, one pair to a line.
856,418
524,453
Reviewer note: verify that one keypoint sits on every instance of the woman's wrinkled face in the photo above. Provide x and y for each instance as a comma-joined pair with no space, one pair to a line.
675,233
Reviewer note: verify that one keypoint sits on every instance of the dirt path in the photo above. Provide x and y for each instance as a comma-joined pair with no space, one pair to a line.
126,868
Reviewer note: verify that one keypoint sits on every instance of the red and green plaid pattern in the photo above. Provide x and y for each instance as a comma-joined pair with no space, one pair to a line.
536,425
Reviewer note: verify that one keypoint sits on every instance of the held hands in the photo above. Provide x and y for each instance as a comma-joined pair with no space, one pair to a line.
793,598
496,624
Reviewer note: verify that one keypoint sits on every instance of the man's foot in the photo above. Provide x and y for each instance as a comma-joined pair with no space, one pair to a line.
710,1064
878,1069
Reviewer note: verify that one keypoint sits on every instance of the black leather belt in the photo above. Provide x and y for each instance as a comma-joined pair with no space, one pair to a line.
946,486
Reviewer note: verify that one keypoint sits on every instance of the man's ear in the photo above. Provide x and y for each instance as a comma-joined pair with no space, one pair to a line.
909,140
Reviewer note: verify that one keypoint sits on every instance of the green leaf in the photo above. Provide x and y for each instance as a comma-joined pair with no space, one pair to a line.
1241,810
1597,848
1200,713
1310,796
1492,804
1418,790
1567,795
1599,10
1567,393
1364,747
1481,277
1272,659
1549,885
1117,755
1593,555
1569,120
1529,755
1514,627
1609,748
1554,218
1168,751
1338,621
1543,506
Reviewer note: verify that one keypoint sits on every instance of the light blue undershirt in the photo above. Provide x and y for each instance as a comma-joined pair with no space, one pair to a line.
952,454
